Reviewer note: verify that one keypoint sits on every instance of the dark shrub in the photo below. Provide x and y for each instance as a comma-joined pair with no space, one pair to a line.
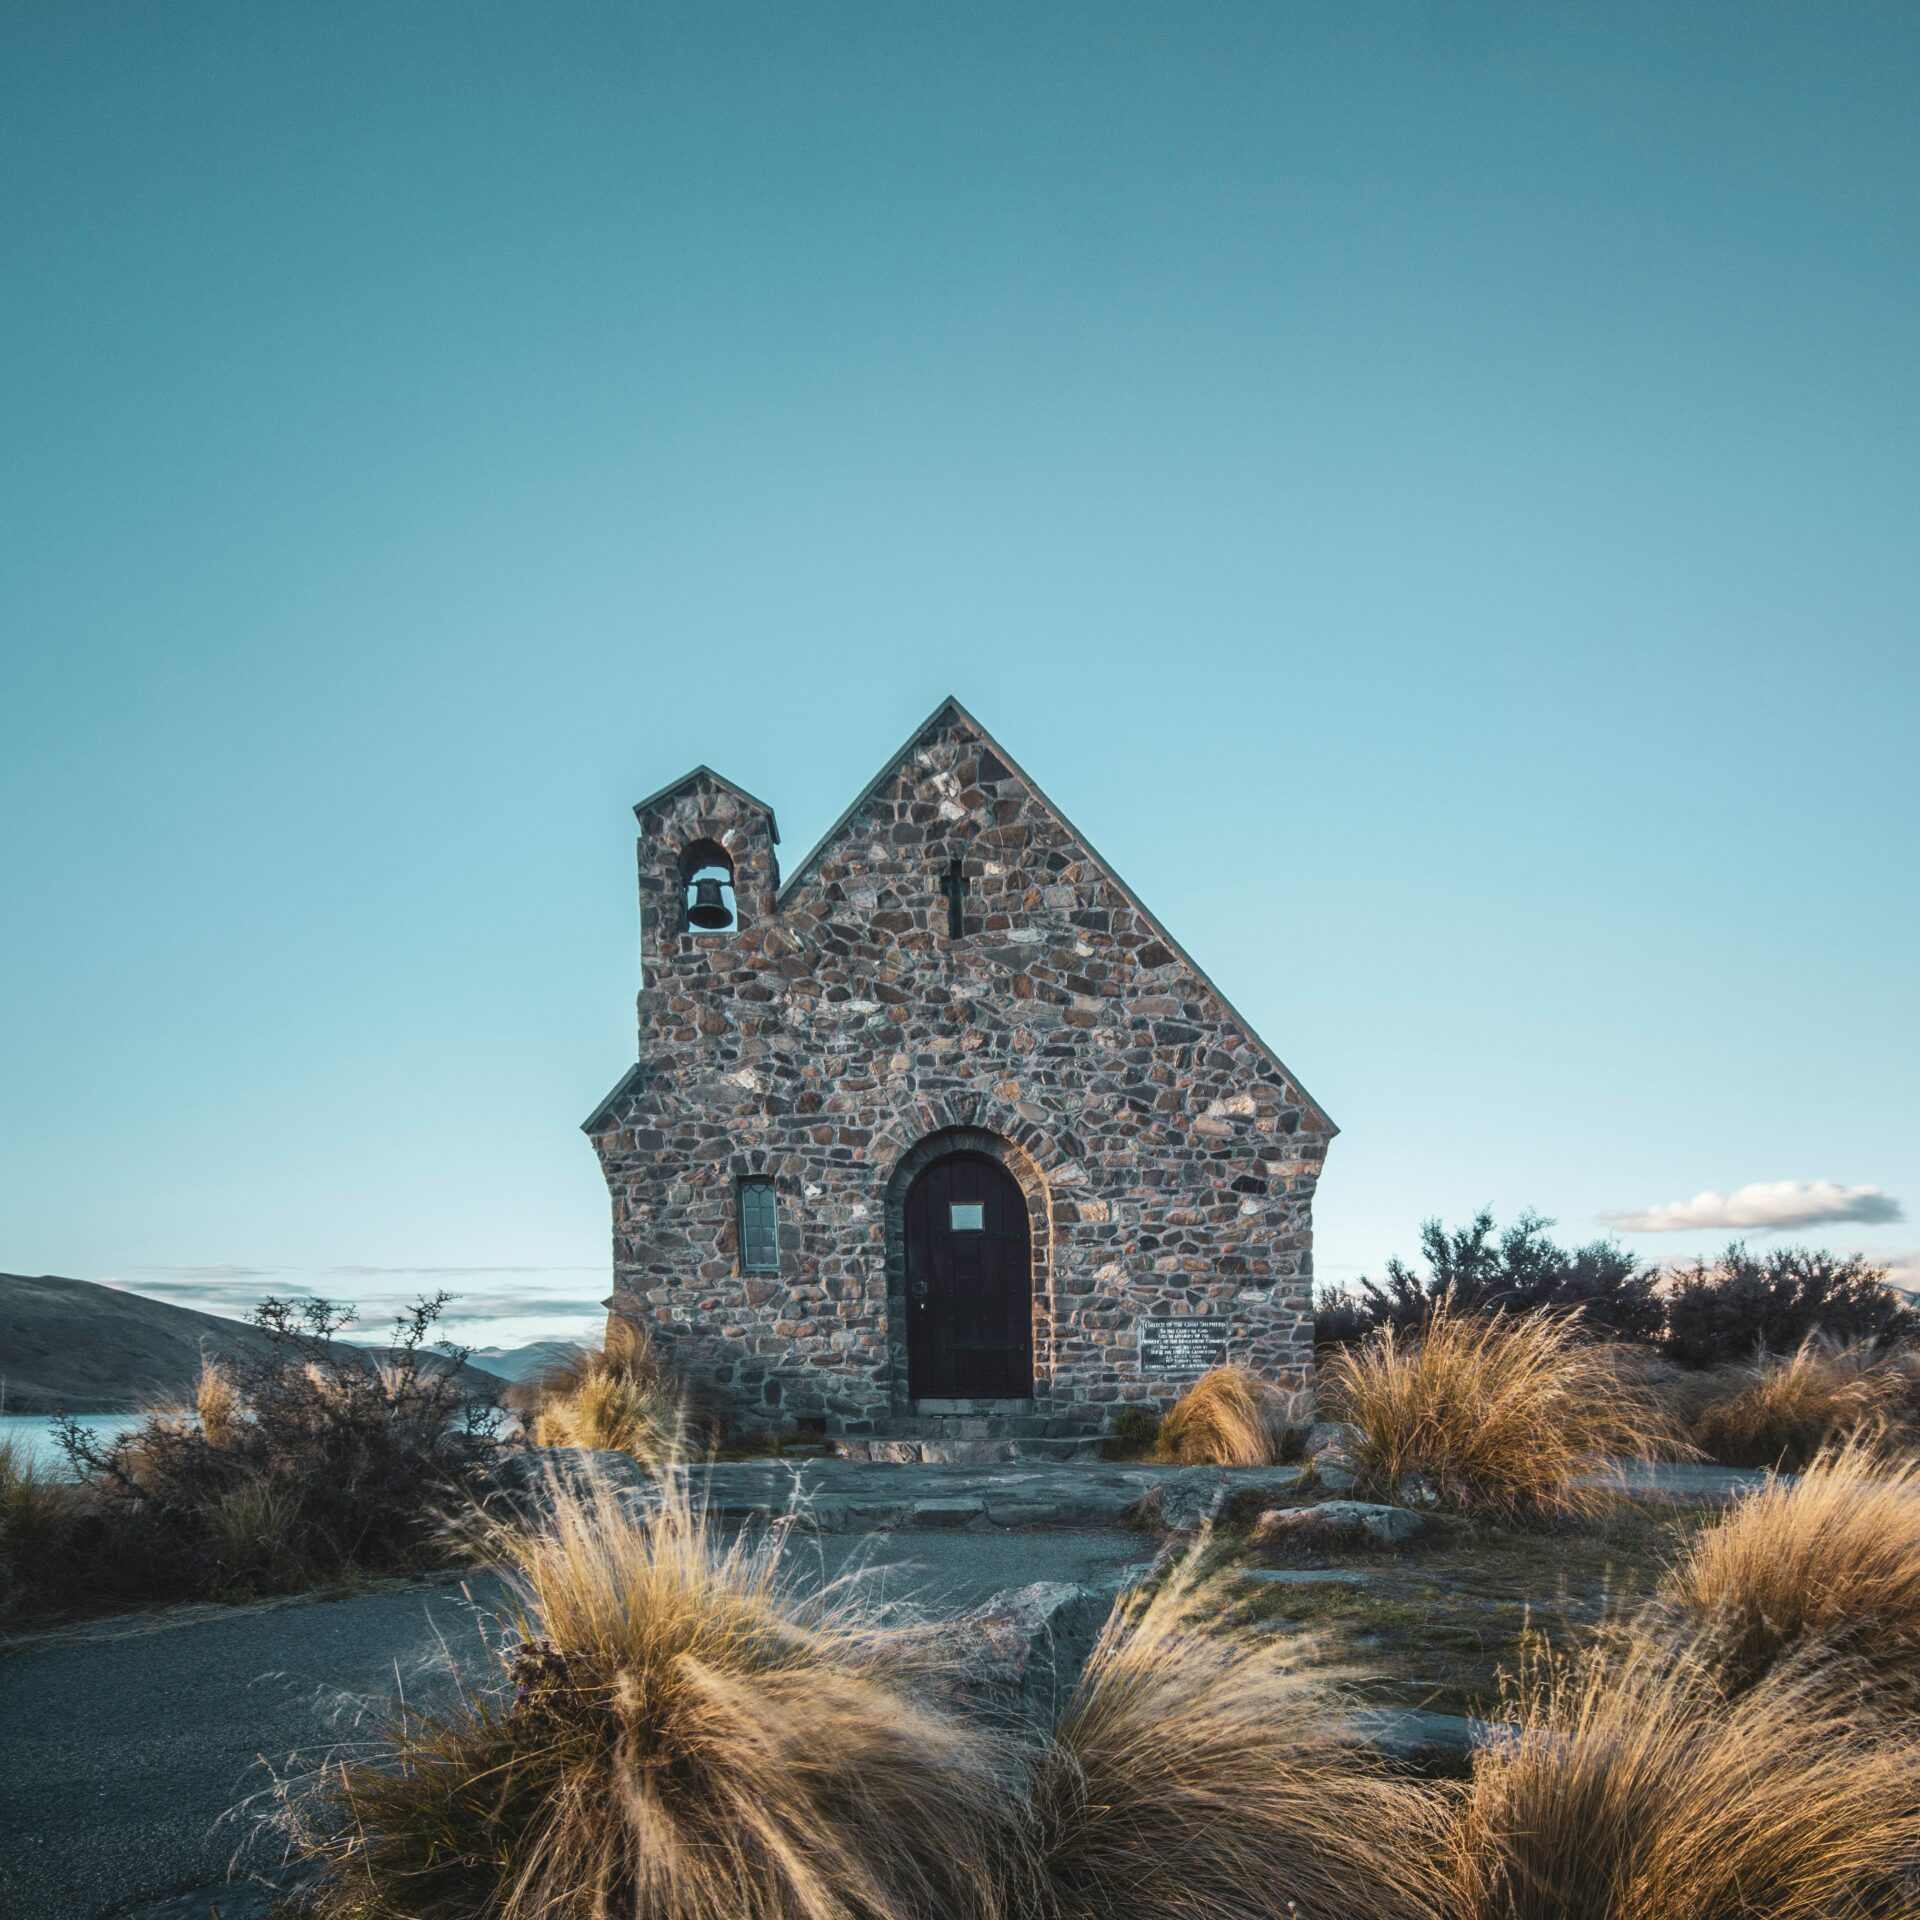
1340,1319
1746,1303
314,1458
1516,1272
1132,1432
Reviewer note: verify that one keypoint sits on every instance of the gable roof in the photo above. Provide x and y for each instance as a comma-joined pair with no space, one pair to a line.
950,708
618,1092
703,771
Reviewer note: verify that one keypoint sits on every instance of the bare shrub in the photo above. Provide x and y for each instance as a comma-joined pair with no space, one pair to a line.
675,1732
1828,1563
1201,1769
1783,1410
1512,1415
1635,1788
1229,1417
290,1467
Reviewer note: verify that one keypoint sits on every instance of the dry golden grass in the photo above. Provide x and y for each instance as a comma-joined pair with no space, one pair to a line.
37,1512
1201,1772
1511,1415
1827,1563
682,1736
255,1533
605,1408
1785,1409
217,1404
618,1396
1227,1418
1637,1789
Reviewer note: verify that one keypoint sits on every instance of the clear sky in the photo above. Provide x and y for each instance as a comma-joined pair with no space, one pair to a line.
1429,488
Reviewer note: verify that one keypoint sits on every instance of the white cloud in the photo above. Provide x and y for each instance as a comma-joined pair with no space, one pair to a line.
1767,1205
220,1270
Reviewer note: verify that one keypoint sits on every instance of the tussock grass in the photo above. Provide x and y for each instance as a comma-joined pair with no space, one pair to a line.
1786,1408
1637,1789
1509,1415
1828,1563
218,1405
38,1512
679,1734
1204,1771
1229,1417
609,1409
618,1396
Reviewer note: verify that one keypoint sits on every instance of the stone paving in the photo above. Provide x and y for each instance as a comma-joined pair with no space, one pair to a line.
852,1496
830,1495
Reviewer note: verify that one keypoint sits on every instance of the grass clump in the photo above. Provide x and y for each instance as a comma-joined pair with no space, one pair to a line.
1785,1409
1208,1770
1828,1563
1634,1788
617,1397
1229,1417
675,1732
1514,1416
38,1514
298,1465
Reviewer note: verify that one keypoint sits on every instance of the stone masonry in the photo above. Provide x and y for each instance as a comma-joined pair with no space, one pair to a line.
840,1038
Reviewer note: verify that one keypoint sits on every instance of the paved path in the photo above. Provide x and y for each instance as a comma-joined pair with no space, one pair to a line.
1686,1482
129,1751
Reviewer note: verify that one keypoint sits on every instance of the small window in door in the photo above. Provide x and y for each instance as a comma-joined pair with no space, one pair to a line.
759,1227
967,1216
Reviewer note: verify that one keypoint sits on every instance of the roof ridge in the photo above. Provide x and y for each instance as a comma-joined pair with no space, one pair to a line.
867,792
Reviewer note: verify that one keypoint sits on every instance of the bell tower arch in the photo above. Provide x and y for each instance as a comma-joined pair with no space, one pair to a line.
708,870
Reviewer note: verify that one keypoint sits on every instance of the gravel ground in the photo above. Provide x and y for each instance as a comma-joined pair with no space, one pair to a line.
134,1754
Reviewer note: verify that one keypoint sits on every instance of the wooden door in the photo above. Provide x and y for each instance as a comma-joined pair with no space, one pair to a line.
969,1283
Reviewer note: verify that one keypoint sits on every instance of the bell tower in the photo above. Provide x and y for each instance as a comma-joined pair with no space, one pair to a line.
709,874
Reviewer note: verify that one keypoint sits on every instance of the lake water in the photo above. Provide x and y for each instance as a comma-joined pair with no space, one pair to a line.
34,1432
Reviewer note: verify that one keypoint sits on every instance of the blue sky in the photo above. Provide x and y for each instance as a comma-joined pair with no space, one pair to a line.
1430,489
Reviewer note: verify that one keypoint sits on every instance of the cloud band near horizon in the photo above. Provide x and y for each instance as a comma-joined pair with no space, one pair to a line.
1766,1206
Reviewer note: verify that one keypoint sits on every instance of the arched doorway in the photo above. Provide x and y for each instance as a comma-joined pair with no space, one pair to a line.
969,1283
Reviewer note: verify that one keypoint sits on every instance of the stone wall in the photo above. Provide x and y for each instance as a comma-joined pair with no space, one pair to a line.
1168,1160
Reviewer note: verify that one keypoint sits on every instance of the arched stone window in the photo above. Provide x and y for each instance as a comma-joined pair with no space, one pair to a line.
706,888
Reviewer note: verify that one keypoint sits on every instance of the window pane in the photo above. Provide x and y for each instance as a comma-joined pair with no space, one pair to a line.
967,1217
759,1227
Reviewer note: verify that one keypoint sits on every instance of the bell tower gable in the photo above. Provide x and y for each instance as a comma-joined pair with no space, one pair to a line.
708,870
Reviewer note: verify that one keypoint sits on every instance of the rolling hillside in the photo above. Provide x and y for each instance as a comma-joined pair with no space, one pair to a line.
74,1346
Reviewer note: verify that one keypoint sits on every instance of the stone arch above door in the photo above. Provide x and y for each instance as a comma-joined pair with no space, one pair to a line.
1020,1163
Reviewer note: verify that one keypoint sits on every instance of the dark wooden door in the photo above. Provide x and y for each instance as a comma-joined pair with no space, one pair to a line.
969,1283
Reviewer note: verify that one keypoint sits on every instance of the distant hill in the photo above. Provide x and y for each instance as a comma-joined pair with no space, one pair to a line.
515,1363
74,1346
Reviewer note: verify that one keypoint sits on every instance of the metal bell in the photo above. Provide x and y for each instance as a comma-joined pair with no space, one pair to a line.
709,911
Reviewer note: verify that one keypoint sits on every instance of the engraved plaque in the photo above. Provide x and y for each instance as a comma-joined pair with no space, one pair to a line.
1189,1345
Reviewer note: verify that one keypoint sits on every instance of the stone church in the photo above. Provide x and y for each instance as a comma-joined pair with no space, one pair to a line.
943,1132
